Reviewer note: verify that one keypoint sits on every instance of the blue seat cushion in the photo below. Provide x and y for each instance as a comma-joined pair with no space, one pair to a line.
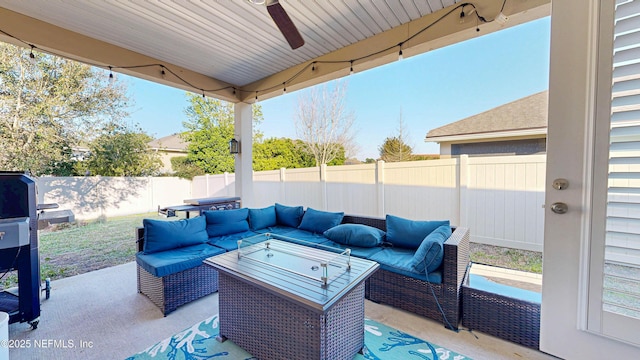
225,222
409,233
162,235
318,221
302,237
173,261
361,252
230,242
289,215
262,218
355,235
398,260
430,253
278,229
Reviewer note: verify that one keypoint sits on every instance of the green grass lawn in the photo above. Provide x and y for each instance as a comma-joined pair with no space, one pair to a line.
72,249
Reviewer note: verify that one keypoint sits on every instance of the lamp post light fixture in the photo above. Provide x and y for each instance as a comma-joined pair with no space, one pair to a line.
234,146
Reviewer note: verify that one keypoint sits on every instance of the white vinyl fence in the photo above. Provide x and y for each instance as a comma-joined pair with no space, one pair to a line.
97,196
499,198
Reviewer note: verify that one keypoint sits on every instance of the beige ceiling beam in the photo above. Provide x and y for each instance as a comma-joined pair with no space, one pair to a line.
56,40
449,30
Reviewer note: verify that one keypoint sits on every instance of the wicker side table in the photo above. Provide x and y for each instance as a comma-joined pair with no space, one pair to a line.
504,311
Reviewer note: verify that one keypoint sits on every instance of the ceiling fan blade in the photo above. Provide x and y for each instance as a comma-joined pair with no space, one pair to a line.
286,26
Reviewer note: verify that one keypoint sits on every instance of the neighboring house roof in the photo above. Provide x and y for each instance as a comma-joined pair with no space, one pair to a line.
525,116
169,143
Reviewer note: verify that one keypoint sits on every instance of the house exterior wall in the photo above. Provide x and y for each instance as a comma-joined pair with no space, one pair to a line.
509,147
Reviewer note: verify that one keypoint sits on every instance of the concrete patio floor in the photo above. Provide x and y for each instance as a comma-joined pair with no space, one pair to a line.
100,315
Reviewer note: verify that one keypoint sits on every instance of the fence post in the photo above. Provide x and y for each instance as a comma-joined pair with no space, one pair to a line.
463,196
283,186
323,186
380,187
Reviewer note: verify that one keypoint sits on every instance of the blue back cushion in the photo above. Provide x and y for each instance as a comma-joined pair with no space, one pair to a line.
161,235
355,235
317,221
262,218
224,222
289,215
409,233
430,253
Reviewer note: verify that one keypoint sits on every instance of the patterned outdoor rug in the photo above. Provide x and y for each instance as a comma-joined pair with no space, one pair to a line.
381,342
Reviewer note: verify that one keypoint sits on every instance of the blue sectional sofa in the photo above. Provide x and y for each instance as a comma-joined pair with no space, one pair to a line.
422,263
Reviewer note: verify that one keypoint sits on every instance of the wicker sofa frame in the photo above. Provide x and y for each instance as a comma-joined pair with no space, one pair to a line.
417,296
171,291
384,287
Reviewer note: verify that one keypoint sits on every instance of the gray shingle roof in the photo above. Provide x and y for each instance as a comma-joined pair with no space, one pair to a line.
526,113
171,142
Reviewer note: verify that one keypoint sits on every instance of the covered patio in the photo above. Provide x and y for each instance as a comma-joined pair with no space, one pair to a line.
115,322
232,51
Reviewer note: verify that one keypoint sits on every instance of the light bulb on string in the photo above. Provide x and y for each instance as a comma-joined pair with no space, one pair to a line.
256,96
32,56
351,68
163,73
400,56
284,88
111,78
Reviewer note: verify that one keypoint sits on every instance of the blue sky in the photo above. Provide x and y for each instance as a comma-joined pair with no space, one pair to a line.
429,90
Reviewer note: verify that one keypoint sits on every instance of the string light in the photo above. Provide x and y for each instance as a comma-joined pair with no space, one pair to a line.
284,88
32,56
500,18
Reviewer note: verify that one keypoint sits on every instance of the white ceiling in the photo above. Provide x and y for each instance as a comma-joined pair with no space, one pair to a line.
230,40
224,45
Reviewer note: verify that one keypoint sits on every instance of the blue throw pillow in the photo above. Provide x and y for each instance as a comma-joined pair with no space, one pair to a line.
430,254
289,215
317,221
225,222
262,218
355,235
161,235
409,233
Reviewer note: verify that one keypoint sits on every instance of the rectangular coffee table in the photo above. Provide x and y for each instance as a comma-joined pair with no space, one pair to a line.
280,300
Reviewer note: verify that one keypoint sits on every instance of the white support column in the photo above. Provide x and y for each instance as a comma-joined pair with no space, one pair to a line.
244,160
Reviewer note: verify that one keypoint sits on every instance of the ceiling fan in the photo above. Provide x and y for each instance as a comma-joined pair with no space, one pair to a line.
283,21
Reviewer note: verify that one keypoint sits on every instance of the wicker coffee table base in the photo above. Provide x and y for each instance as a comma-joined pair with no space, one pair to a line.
270,327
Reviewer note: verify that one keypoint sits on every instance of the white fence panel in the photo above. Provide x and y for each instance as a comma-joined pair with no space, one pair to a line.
303,187
268,187
96,196
213,185
422,190
349,189
505,196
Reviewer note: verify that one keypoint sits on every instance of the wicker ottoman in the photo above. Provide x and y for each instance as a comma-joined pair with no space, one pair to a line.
504,311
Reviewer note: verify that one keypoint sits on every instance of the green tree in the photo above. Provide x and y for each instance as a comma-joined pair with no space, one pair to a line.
184,169
210,126
276,153
395,148
48,107
121,151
